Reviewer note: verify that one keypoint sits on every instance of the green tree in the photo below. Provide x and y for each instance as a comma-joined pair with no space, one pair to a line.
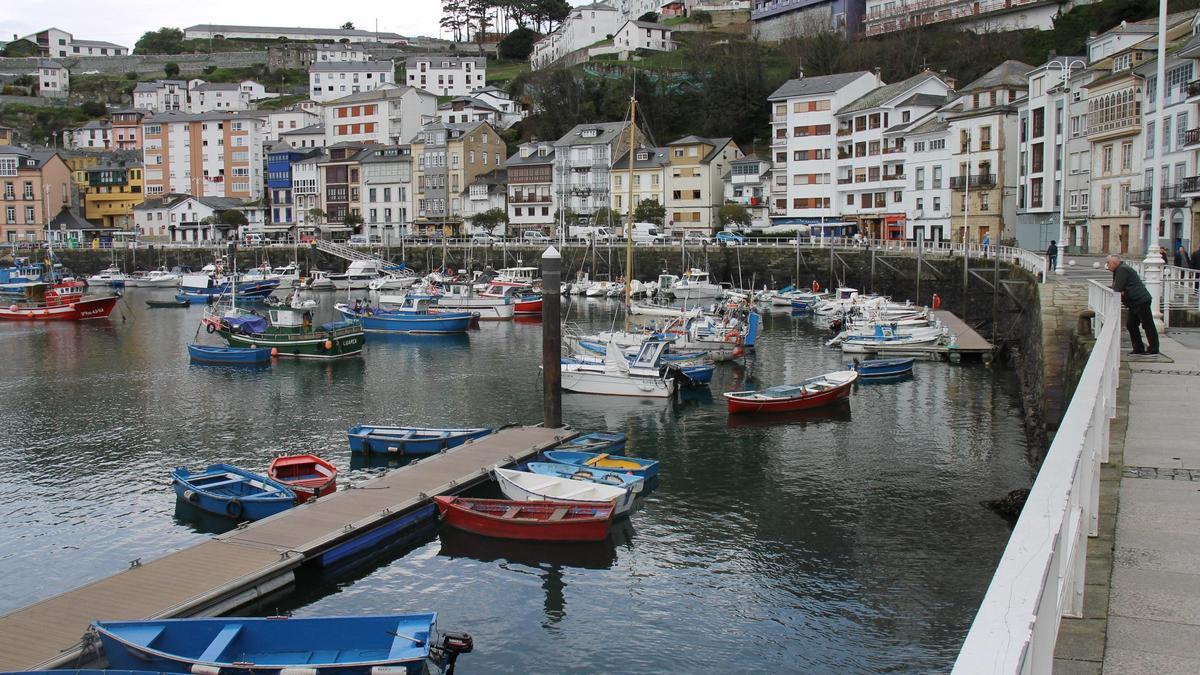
171,69
733,215
19,49
650,211
649,17
488,220
518,45
607,217
349,25
232,217
352,220
93,109
702,17
161,41
132,75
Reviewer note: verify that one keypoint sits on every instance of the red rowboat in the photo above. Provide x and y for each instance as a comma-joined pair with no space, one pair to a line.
529,521
811,393
308,476
60,309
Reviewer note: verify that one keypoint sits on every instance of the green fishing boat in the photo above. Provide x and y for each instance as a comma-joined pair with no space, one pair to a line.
290,332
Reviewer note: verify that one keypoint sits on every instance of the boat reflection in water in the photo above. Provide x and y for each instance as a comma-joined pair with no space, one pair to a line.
599,555
201,521
838,412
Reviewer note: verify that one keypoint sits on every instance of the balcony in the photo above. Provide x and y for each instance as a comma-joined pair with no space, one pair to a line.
893,176
1172,195
1190,185
845,155
1191,137
1193,88
1128,123
844,132
974,181
845,181
893,150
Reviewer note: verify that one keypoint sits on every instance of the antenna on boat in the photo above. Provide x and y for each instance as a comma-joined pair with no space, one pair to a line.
629,203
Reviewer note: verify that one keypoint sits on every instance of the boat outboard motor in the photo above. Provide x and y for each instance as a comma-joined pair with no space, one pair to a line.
452,645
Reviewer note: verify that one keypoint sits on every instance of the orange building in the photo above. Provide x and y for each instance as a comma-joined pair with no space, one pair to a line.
34,187
215,154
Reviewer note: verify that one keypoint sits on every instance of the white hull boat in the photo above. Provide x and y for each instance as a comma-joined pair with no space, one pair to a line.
154,279
646,309
533,487
615,379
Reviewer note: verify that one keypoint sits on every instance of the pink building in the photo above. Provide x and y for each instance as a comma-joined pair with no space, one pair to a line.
127,129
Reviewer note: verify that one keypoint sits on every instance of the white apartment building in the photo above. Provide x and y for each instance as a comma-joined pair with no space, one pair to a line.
927,169
634,35
331,80
871,168
58,43
582,158
748,183
162,96
1167,132
491,105
312,136
446,75
348,35
389,115
488,191
650,170
387,194
1048,136
803,145
290,119
532,197
584,26
95,135
197,96
888,16
324,53
306,190
180,217
210,155
53,80
215,96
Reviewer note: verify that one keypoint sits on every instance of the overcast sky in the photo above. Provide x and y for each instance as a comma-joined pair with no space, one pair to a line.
124,22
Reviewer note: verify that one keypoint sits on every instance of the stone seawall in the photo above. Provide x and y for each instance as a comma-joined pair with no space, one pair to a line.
150,64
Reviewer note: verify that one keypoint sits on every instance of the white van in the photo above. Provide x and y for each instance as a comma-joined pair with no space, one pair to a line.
360,239
647,233
254,239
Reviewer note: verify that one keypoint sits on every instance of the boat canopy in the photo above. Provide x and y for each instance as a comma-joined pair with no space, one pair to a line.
248,323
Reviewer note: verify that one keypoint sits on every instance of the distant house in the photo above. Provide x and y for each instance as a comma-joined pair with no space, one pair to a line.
95,135
52,80
330,80
59,44
345,35
634,35
446,75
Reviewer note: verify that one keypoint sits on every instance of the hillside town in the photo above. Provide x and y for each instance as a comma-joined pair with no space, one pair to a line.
425,145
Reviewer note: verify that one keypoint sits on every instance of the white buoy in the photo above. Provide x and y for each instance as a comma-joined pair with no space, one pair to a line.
1071,263
1096,265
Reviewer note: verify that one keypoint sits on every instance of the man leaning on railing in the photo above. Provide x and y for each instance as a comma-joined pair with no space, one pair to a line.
1137,299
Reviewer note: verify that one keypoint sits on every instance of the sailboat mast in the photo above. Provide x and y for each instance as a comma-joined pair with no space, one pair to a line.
629,209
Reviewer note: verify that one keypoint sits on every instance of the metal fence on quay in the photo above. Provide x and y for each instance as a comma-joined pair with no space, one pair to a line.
1040,577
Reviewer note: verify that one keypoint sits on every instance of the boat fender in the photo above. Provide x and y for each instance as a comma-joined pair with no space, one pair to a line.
210,328
613,478
234,508
13,308
198,669
328,345
190,496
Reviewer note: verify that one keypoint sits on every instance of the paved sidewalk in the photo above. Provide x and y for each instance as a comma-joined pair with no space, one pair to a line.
1154,605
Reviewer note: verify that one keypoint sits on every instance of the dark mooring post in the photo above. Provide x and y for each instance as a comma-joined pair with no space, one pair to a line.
551,338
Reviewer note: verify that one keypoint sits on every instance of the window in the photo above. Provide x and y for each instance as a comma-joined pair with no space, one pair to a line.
937,177
920,184
29,214
937,203
984,201
920,204
1106,159
1127,156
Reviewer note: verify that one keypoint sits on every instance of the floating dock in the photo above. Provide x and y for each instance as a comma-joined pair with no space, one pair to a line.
967,342
238,567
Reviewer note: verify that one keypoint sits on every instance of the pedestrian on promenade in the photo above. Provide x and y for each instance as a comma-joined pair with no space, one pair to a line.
1196,259
1136,298
1052,254
1182,259
987,242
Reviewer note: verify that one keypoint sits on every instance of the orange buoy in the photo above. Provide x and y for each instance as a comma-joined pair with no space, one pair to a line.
328,345
274,352
937,301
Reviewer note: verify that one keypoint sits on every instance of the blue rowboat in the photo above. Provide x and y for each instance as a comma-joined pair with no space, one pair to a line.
379,320
195,297
231,491
229,356
597,441
398,643
369,438
647,468
586,473
202,286
884,367
695,373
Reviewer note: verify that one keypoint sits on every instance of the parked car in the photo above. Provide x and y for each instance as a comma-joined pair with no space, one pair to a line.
696,238
534,237
730,238
359,239
484,238
307,239
254,239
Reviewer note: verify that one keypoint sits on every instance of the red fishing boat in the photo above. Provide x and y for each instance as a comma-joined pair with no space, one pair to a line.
307,475
811,393
528,521
63,301
526,301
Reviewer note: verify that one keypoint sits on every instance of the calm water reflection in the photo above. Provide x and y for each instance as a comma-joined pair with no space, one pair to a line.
846,540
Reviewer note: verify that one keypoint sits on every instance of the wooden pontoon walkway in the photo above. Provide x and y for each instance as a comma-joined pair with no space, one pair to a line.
227,571
968,341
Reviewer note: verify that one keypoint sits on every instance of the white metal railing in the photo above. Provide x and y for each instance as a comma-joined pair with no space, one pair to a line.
1181,289
1040,576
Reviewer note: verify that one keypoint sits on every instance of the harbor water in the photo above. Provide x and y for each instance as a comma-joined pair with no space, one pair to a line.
849,540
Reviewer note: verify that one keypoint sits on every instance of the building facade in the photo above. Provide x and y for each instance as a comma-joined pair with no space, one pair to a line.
695,188
532,197
387,175
332,80
342,35
449,157
446,75
113,188
207,155
649,183
35,186
391,115
57,43
748,184
582,160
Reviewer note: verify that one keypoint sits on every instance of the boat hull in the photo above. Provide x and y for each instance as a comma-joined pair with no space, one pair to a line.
586,473
341,344
487,308
607,384
647,468
272,646
400,322
232,492
528,487
739,404
308,476
229,356
80,310
368,439
597,441
885,367
502,519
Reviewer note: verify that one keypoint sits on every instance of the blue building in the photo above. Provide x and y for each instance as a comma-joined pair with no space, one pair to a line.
280,157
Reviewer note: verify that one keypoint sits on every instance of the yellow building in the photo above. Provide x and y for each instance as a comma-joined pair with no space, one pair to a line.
111,189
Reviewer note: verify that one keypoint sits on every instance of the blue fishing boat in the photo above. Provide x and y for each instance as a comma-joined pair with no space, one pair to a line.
694,373
229,356
368,438
195,297
647,468
597,441
398,643
414,316
231,491
586,473
202,287
883,367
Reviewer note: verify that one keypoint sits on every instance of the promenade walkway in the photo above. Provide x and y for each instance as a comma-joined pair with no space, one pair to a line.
1142,600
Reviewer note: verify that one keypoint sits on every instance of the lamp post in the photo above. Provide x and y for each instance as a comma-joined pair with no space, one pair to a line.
1065,66
1153,264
